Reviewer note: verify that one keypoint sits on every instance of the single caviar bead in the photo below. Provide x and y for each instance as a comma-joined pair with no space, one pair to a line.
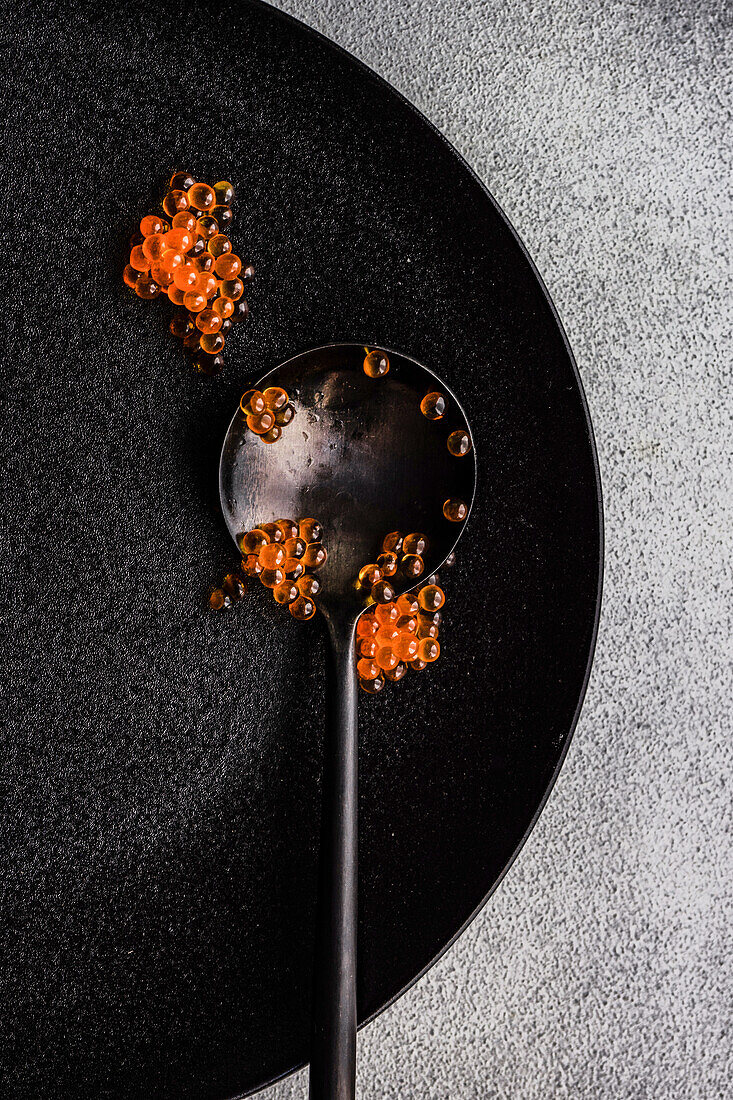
386,658
180,239
367,669
208,364
431,597
315,555
271,578
273,435
150,224
418,664
289,530
275,397
251,565
253,541
294,569
369,575
295,547
207,320
272,555
387,564
252,402
228,266
310,529
201,196
234,586
308,585
455,510
383,592
282,416
218,601
241,310
376,364
204,262
154,246
212,342
231,288
414,543
407,604
433,405
184,219
224,192
176,296
407,647
386,614
396,673
147,288
206,284
302,608
174,201
223,214
219,245
434,618
207,226
285,592
198,247
161,276
387,635
181,181
131,276
259,423
172,259
427,629
428,650
368,647
224,307
392,543
412,566
194,301
138,259
184,277
273,532
407,624
372,686
366,626
459,443
181,324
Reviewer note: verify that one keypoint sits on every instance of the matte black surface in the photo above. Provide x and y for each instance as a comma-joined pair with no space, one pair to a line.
160,764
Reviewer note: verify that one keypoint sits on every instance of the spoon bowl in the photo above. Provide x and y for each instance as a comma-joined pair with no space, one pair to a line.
359,456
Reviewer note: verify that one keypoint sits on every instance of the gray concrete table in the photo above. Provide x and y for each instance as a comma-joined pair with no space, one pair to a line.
601,968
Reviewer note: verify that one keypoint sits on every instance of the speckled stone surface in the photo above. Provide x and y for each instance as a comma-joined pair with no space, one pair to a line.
602,966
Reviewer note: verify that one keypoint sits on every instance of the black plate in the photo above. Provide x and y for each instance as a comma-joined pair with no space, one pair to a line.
160,765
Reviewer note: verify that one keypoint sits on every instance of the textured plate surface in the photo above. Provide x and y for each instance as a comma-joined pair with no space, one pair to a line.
160,764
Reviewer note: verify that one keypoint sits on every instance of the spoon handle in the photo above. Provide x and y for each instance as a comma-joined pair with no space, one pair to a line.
333,1048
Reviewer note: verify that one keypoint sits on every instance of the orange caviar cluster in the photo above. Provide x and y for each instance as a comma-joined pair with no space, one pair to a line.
184,254
267,411
401,558
401,634
284,556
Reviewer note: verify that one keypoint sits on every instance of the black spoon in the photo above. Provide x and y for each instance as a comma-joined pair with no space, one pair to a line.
361,458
